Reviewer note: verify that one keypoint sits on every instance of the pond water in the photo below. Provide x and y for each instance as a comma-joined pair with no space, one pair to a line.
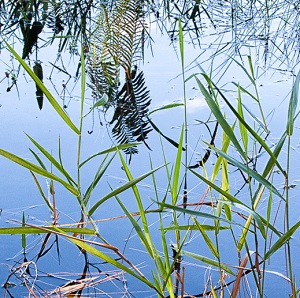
64,262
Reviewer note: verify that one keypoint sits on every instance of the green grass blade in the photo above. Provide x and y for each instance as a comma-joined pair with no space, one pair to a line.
144,239
254,134
195,213
166,107
52,160
293,106
282,240
209,243
139,203
195,228
175,182
38,159
41,191
121,189
99,174
219,117
208,261
47,93
38,170
110,150
243,130
249,171
246,91
43,230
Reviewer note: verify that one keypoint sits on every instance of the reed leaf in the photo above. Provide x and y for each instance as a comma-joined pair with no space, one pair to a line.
52,160
249,129
209,243
36,169
293,106
120,189
43,230
248,171
110,150
282,240
140,205
219,117
208,261
43,88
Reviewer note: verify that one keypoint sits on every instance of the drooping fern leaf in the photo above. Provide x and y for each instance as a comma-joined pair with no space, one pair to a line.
117,47
131,110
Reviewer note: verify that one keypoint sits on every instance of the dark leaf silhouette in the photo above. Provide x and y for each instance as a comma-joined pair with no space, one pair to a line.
30,36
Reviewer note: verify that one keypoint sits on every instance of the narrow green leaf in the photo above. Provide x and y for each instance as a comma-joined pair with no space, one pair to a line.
175,182
243,129
43,230
139,203
248,171
121,189
52,160
254,134
282,240
195,213
220,118
208,261
47,93
139,231
195,228
36,169
41,191
166,107
99,174
209,243
293,106
112,149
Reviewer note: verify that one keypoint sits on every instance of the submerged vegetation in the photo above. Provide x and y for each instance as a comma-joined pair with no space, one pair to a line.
241,231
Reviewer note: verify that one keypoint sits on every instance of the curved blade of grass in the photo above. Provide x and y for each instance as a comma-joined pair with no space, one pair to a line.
100,172
175,144
38,159
209,243
248,127
113,149
219,116
282,240
121,189
144,239
243,130
175,182
47,93
166,107
36,169
140,205
195,228
52,160
249,171
92,250
245,91
234,200
41,191
208,261
195,213
43,230
293,106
